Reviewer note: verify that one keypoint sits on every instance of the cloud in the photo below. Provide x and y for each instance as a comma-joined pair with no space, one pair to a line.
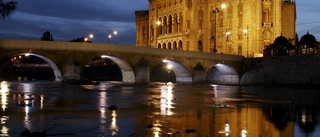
70,19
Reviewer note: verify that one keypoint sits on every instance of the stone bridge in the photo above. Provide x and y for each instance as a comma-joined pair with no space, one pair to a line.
136,63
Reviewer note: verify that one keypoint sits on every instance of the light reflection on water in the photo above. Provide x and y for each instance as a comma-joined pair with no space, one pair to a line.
158,109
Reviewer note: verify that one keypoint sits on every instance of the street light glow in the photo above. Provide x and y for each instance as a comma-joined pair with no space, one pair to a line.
158,23
165,61
91,36
169,66
104,56
223,5
115,32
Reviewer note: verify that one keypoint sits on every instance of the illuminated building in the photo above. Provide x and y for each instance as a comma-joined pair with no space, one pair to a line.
239,27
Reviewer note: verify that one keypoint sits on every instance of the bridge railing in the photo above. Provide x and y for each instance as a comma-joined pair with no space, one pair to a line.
77,46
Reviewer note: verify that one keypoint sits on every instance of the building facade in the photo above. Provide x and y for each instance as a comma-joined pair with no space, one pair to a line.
240,27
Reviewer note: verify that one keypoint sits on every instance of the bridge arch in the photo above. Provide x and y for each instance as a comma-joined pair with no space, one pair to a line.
126,70
222,74
181,72
56,70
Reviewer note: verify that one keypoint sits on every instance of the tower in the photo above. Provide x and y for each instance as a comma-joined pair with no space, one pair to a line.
239,27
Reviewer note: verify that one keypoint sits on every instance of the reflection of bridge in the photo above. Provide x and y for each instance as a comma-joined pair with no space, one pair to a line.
136,63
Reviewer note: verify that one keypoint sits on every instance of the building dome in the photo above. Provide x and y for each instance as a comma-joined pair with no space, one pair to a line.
308,38
281,40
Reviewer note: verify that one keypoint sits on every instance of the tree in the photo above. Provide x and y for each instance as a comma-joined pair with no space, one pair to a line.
82,39
47,36
7,8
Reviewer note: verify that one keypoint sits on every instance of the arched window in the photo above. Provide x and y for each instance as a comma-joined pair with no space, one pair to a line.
165,25
169,45
180,45
175,24
164,46
159,46
160,26
200,46
170,24
175,46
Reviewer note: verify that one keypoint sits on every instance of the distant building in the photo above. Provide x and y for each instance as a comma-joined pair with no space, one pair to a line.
240,27
282,46
308,45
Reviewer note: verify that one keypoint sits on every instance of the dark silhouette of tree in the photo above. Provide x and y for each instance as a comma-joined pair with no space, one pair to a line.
7,8
82,39
47,36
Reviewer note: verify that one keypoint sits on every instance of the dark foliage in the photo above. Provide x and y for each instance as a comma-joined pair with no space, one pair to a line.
7,8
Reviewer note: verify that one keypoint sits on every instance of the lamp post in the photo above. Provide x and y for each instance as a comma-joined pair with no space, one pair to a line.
115,33
110,36
246,31
215,12
87,38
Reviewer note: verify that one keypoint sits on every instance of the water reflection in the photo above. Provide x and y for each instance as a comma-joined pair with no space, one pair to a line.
4,89
4,131
160,110
113,126
166,99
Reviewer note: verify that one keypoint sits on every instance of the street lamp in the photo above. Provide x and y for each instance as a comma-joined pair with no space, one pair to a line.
110,36
115,33
216,11
246,31
87,38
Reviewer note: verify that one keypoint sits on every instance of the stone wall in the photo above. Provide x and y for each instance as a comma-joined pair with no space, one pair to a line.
298,70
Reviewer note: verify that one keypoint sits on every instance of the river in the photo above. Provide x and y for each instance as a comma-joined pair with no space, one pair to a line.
157,110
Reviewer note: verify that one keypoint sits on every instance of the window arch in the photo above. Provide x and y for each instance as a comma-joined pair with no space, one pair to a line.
169,45
165,25
180,47
180,22
175,23
170,24
175,45
159,45
164,45
160,26
200,46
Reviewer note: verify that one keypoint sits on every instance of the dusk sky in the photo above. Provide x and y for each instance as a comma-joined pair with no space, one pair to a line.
71,19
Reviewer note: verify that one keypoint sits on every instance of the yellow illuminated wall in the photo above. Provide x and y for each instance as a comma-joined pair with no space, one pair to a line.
240,27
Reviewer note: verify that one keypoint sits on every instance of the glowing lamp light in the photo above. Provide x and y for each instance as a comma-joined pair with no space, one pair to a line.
223,5
104,56
158,23
91,36
169,66
165,61
244,133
